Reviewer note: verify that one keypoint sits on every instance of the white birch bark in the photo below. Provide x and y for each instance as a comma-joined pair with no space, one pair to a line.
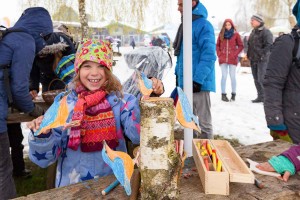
160,164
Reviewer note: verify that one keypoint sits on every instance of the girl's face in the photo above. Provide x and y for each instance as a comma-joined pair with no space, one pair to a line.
92,75
228,26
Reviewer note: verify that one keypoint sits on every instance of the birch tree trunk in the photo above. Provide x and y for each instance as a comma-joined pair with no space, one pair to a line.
83,19
160,164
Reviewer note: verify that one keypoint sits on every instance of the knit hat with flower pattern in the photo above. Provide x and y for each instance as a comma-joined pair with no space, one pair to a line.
98,51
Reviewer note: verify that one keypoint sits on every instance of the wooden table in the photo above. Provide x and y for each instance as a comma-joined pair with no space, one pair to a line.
15,116
191,187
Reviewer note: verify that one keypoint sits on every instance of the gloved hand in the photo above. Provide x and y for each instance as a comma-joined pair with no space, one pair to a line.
196,87
279,132
37,111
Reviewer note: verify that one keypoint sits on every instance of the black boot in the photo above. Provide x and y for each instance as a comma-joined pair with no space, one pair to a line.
224,98
232,96
258,100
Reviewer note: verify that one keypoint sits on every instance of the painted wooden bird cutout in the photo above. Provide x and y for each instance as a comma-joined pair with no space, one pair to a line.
56,115
145,84
121,164
183,110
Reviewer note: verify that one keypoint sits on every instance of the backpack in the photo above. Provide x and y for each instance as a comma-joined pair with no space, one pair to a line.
3,32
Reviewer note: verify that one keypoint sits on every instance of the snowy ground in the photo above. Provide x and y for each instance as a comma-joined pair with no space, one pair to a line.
241,119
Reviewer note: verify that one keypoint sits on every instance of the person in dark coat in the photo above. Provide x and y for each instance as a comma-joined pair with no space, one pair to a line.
229,45
132,43
282,87
17,52
259,44
58,45
282,97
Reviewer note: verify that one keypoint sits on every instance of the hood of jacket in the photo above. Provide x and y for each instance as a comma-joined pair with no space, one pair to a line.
37,22
200,10
230,21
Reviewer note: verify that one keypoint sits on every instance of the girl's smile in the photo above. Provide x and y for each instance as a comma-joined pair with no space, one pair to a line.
92,75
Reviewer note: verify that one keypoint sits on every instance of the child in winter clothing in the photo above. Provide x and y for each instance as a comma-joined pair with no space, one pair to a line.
287,163
97,111
229,45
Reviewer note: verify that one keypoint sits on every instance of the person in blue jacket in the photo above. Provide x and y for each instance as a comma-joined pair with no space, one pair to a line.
17,52
203,52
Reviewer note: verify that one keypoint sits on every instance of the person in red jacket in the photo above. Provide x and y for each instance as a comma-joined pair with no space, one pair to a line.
229,45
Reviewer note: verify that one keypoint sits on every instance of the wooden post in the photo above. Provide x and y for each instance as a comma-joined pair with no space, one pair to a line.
160,164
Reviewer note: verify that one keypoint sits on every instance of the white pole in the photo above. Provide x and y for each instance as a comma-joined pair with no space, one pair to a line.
187,66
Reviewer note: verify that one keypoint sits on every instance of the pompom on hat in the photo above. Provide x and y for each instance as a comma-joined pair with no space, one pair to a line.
98,51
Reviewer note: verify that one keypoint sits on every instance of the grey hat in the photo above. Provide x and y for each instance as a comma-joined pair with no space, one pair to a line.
258,18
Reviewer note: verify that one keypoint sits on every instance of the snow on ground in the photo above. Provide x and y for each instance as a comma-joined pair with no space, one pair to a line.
241,119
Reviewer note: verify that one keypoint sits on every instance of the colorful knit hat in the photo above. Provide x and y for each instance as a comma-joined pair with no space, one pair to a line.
98,51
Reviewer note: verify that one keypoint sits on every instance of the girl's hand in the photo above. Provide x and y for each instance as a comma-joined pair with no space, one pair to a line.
266,166
158,87
34,125
71,124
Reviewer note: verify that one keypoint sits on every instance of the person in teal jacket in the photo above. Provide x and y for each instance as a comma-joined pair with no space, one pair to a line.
203,48
98,111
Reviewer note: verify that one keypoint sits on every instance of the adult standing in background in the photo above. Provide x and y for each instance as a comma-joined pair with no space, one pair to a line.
229,45
204,48
132,43
17,52
259,44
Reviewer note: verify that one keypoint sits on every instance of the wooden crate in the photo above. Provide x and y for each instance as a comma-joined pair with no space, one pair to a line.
233,169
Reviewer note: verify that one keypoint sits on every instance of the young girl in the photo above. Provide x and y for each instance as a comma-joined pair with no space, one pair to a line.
100,112
229,45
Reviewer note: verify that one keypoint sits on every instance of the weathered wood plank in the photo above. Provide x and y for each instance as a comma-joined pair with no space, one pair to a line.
85,190
191,188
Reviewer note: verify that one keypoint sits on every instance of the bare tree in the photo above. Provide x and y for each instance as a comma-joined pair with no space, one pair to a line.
83,19
273,10
126,11
290,4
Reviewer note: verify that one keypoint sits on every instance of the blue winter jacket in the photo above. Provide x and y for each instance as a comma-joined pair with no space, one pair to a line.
76,166
204,49
18,50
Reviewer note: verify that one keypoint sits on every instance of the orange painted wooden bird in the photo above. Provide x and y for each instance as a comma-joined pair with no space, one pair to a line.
183,110
145,84
121,164
56,115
